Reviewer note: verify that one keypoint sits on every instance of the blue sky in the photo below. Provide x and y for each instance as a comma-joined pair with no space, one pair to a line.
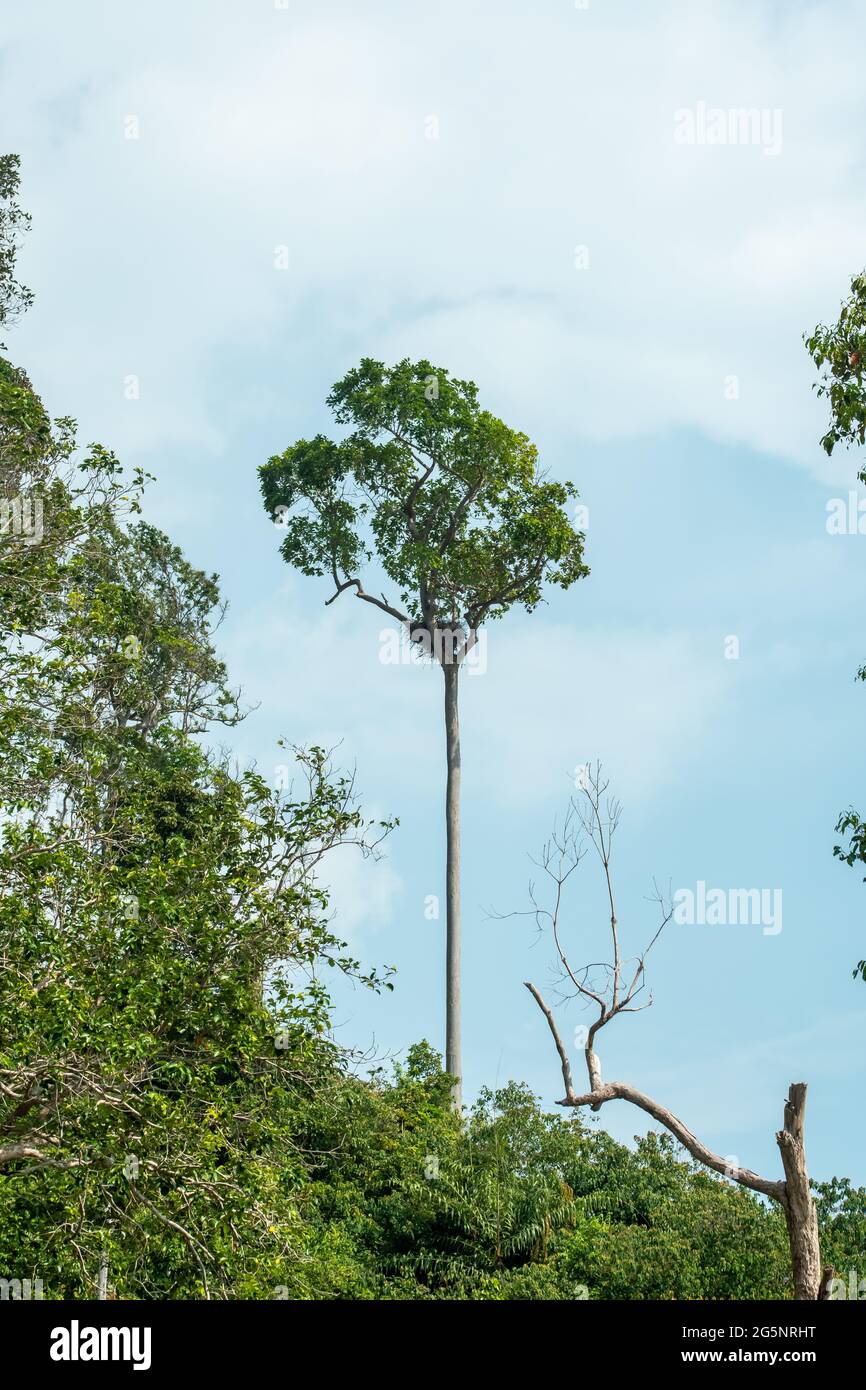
498,187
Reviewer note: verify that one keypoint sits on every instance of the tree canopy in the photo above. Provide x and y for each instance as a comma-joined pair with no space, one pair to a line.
839,352
447,497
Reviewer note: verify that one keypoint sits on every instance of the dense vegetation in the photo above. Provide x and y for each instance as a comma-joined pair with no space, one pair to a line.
173,1109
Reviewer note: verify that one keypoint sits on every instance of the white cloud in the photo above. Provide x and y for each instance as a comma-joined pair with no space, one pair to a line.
306,127
550,698
828,1050
555,698
362,893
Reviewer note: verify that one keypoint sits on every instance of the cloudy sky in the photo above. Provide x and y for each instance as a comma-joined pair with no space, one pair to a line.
233,202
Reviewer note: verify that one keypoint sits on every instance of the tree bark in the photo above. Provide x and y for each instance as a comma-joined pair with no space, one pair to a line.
800,1213
453,1061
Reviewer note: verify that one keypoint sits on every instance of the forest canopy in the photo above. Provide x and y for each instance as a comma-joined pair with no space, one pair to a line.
177,1120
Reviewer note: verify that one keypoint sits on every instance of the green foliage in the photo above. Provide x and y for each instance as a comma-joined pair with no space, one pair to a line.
854,852
14,297
842,1214
163,928
520,1204
449,499
839,351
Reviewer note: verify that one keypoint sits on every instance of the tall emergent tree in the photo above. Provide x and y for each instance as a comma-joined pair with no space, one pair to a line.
839,353
452,504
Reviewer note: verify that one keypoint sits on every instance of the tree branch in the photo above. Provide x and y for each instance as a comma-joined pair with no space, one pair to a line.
563,1055
368,598
620,1090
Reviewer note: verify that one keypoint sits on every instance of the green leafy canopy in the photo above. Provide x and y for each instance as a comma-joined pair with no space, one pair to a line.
840,354
448,498
15,298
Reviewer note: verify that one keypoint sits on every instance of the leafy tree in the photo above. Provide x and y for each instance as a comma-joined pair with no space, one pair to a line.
14,297
842,1211
452,504
839,352
147,890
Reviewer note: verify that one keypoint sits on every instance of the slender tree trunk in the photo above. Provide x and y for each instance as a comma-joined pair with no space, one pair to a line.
453,1061
800,1213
